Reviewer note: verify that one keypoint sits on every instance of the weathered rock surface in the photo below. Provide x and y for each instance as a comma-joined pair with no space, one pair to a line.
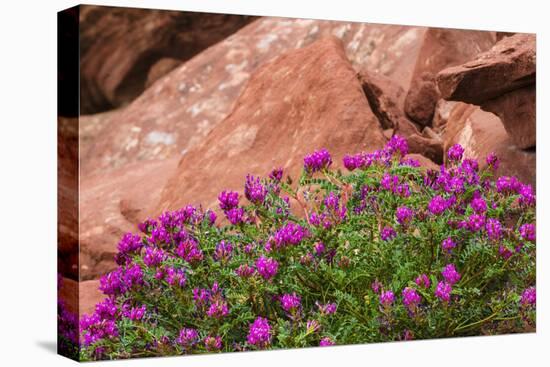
113,204
509,65
161,68
421,99
441,48
441,113
67,197
481,133
302,101
386,99
119,45
181,108
517,111
89,296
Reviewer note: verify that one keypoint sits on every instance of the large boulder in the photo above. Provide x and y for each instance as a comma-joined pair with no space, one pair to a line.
509,65
119,45
441,48
181,108
302,101
481,133
113,204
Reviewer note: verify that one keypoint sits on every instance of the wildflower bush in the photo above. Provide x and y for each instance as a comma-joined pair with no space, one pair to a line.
387,251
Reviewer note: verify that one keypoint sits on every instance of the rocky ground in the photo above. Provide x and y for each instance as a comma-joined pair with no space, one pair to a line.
197,103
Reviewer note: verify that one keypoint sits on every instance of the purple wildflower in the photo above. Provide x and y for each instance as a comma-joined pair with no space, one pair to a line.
290,302
111,283
387,233
235,215
529,297
475,222
455,153
136,313
443,291
387,298
291,234
259,333
189,251
245,271
319,248
398,144
254,191
528,232
326,309
448,244
493,228
317,161
350,162
213,343
187,337
479,205
411,298
437,205
326,342
423,281
153,256
267,267
276,174
492,161
95,328
507,184
228,200
175,276
450,274
223,251
404,215
218,309
527,196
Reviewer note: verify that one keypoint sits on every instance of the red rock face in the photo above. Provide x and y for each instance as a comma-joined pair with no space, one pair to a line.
302,101
481,133
67,197
509,65
441,48
119,45
180,109
386,99
111,205
517,111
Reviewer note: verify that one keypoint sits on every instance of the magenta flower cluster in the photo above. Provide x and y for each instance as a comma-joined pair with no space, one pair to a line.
259,333
319,263
317,161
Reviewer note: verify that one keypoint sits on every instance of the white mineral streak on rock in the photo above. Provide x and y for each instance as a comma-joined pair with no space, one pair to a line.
159,137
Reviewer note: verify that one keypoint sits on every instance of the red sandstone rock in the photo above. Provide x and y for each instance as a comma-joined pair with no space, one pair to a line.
441,48
89,295
421,99
111,205
386,100
67,197
302,101
481,133
161,68
517,111
509,65
180,109
119,45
